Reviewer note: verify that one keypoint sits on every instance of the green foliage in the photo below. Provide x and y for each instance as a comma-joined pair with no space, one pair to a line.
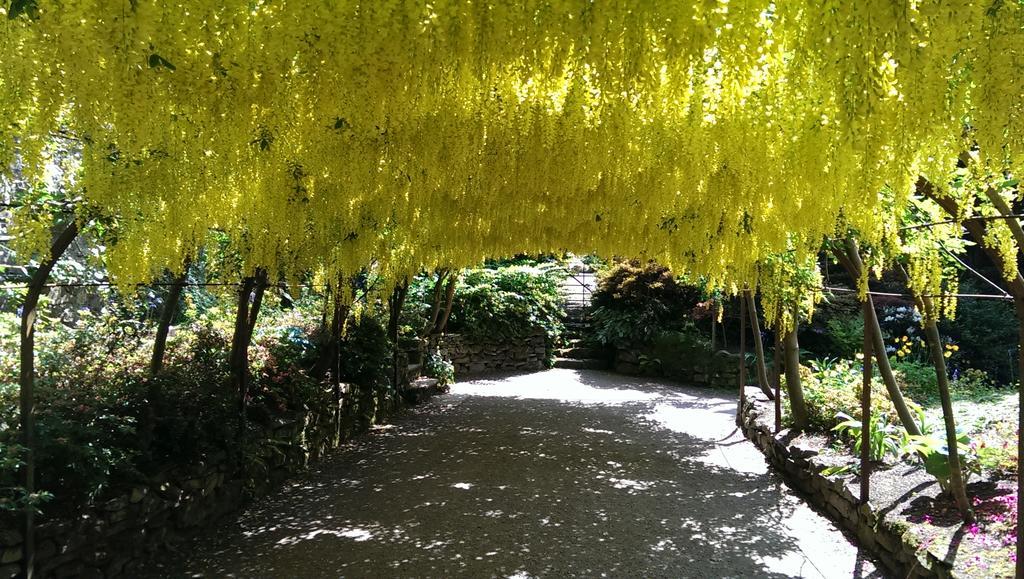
846,335
934,455
509,302
916,380
672,352
365,352
832,387
986,331
92,392
14,497
884,437
437,366
634,301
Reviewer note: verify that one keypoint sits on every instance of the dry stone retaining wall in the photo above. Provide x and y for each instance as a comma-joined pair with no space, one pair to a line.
719,369
478,356
897,549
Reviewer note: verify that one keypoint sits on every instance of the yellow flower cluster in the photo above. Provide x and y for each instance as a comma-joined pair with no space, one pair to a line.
322,136
905,345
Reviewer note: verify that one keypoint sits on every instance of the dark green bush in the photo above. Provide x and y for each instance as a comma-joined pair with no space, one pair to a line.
509,302
93,403
634,301
986,331
365,352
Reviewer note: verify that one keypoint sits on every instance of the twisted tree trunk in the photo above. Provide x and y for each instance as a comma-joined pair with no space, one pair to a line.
760,365
26,382
442,322
246,315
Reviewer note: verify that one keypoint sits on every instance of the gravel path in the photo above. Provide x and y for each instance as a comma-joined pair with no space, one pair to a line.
557,474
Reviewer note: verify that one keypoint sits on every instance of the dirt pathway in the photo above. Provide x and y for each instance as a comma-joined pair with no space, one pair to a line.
563,473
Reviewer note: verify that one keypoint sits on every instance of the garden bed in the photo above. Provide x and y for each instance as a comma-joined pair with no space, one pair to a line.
913,530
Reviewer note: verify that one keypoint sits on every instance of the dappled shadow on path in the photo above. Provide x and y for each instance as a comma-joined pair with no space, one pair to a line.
557,474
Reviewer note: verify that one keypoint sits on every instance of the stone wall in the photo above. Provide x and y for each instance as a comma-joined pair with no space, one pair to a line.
124,533
476,356
897,549
719,369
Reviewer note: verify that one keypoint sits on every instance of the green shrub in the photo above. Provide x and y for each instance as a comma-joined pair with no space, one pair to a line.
916,380
634,301
832,387
846,335
986,331
92,392
365,352
885,438
440,368
673,352
509,302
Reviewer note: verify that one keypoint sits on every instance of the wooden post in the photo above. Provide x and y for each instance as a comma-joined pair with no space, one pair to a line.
865,413
777,370
743,359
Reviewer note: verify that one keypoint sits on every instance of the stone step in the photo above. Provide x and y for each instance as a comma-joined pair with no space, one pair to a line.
581,364
413,371
579,352
423,384
420,389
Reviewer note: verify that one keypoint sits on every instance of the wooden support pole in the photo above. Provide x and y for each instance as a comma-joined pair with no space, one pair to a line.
865,413
743,359
777,370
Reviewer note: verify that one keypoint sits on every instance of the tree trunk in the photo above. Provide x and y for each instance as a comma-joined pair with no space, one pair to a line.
156,362
854,266
1015,286
760,365
238,358
333,355
777,376
714,340
395,303
449,298
1019,306
246,315
794,389
958,486
435,305
257,302
26,382
956,479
